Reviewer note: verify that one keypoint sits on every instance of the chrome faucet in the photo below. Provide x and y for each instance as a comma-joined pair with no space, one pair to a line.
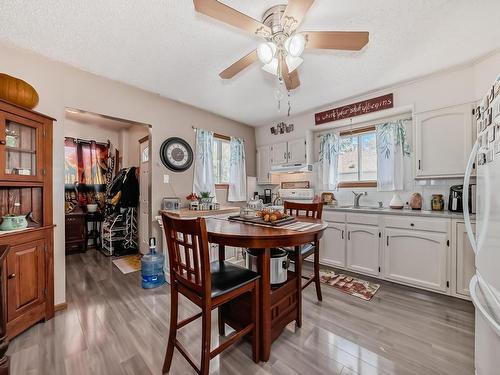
357,196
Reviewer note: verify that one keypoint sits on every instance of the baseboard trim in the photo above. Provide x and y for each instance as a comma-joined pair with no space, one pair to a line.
60,307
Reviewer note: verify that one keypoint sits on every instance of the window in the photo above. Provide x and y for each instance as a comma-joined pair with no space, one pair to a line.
358,158
221,159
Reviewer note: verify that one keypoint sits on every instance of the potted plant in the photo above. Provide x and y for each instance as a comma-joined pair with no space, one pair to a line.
205,197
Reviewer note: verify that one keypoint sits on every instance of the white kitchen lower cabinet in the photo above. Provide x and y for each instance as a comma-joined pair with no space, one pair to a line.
465,260
417,258
233,254
363,248
332,246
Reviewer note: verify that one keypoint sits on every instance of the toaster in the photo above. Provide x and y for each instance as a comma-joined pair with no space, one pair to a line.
171,203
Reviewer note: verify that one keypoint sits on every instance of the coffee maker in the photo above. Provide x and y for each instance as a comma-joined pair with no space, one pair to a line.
267,196
455,201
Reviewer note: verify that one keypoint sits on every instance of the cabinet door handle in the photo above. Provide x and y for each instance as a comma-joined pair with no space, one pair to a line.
11,276
411,224
349,235
289,155
387,240
419,165
284,156
342,234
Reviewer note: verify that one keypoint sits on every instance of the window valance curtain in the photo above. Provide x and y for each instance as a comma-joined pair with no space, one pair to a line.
237,171
328,161
86,165
392,148
203,163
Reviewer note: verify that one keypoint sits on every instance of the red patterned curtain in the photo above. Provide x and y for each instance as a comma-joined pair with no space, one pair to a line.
86,163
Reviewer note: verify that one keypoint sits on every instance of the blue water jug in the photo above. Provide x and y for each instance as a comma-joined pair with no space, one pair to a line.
152,267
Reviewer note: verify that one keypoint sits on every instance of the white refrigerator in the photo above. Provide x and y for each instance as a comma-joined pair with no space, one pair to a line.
485,285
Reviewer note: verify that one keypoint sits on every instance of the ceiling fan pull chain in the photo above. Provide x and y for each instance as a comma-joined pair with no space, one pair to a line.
289,104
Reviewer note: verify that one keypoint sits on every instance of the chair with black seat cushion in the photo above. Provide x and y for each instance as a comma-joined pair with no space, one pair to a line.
208,285
314,210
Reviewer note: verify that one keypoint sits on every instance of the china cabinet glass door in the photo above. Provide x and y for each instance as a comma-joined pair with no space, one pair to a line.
20,151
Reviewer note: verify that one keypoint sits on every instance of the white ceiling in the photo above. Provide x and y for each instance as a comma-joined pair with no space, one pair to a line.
165,47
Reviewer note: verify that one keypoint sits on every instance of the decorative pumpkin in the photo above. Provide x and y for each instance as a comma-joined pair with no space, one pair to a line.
17,91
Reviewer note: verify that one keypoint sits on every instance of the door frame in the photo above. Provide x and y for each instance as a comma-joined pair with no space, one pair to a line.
148,139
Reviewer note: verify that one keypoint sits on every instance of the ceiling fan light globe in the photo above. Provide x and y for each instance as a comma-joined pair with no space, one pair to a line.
294,45
293,62
271,67
266,52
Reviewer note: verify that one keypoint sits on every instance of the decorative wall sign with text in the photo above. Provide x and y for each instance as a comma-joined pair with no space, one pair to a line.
356,109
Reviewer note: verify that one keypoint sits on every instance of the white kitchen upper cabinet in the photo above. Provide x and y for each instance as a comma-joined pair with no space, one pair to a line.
264,165
363,248
332,246
465,260
418,258
443,141
297,151
279,153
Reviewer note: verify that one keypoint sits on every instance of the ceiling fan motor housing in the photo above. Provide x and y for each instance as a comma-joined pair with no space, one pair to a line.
272,18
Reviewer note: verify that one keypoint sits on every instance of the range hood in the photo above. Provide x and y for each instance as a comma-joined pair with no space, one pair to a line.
292,168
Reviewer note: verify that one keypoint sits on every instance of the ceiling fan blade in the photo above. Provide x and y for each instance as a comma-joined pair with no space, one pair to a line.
294,13
239,65
343,40
292,80
224,13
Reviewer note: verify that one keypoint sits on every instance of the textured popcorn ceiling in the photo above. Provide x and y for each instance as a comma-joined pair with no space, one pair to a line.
165,47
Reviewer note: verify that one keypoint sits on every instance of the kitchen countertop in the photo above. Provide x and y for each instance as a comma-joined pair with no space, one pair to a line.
186,213
389,211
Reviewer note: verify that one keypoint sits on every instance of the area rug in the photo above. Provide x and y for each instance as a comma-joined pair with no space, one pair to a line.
128,264
350,285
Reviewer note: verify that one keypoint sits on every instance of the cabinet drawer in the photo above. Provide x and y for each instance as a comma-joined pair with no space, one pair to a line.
367,219
338,217
418,223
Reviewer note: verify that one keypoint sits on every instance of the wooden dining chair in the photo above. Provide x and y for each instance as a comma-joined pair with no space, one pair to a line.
314,210
208,285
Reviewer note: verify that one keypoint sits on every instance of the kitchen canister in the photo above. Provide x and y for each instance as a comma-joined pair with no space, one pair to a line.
437,202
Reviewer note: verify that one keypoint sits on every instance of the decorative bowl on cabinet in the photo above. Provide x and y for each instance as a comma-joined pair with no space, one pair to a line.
17,91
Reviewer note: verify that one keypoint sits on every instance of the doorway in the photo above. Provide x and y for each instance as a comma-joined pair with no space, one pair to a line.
107,184
144,194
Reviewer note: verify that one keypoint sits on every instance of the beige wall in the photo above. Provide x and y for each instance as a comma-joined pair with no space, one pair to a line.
90,132
132,149
61,86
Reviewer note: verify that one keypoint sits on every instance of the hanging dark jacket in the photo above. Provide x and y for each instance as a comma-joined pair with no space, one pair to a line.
130,189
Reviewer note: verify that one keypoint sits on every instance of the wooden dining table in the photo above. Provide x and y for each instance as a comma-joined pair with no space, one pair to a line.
278,305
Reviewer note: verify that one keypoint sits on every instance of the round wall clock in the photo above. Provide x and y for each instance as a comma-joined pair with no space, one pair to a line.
176,154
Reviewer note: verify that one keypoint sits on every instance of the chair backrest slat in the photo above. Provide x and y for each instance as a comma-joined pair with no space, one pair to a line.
314,210
188,253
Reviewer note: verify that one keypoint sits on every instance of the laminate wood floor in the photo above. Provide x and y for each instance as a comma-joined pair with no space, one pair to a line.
113,326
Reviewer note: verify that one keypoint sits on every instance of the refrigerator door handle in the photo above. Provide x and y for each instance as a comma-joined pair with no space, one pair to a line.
465,203
477,303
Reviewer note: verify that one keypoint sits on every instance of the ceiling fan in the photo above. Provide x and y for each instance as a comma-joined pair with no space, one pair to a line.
281,52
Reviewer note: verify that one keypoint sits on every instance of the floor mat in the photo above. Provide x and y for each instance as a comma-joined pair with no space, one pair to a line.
350,285
128,264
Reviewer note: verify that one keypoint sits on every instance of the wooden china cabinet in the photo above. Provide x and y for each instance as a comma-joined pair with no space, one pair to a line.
26,187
